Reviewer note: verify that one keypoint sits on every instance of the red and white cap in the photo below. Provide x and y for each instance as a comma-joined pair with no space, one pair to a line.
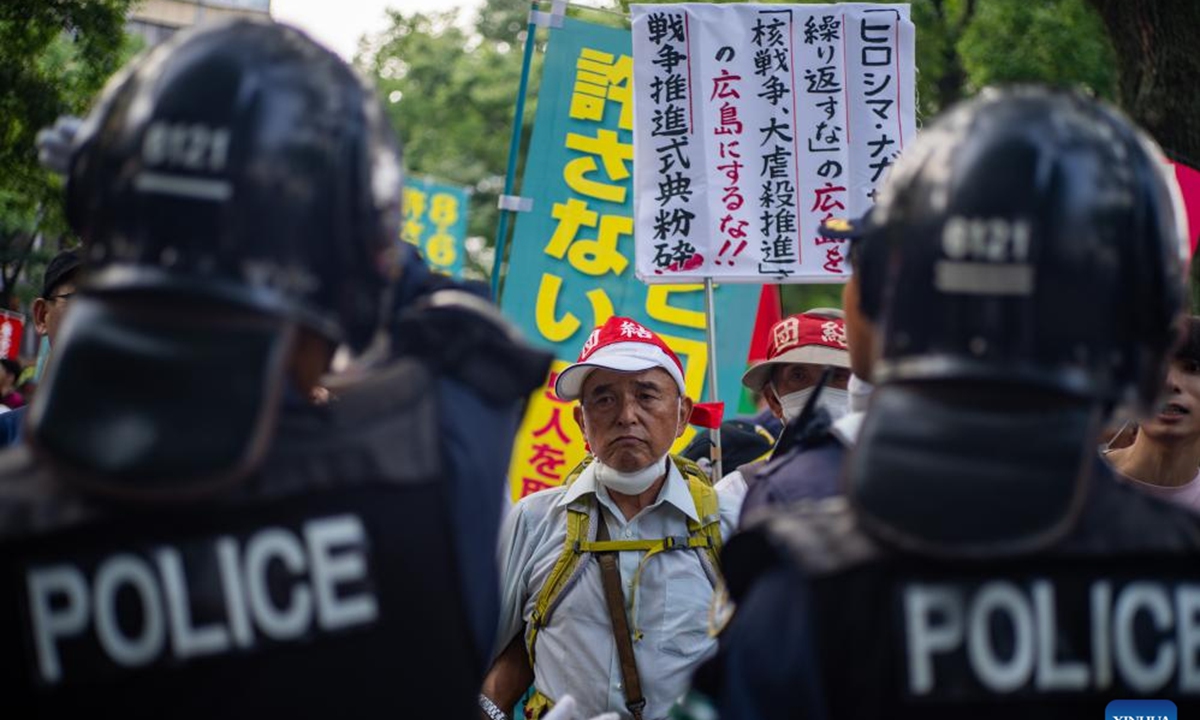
817,336
623,345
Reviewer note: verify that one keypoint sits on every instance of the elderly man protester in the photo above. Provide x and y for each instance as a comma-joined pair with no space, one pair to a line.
651,523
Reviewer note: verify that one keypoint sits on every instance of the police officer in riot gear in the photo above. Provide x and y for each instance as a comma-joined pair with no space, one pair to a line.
185,534
984,563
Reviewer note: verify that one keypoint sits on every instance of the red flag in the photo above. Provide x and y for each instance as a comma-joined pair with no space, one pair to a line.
707,415
12,326
1189,186
770,311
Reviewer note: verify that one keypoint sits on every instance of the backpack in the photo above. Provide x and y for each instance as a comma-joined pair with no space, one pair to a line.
704,537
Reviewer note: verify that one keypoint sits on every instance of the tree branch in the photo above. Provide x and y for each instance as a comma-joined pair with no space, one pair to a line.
939,10
968,14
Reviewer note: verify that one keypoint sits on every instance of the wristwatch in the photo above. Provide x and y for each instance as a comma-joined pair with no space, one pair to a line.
491,709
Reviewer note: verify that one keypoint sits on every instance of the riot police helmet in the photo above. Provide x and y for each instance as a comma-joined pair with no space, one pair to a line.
247,163
1030,248
237,191
1031,236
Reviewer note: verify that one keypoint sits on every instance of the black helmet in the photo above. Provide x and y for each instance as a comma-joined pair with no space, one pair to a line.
246,163
236,183
1029,236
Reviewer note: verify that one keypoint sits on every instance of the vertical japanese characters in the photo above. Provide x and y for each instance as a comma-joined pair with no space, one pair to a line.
435,220
769,120
588,227
880,81
671,119
545,461
597,175
824,113
771,39
732,227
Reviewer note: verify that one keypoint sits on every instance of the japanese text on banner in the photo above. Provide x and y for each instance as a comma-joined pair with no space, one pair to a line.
753,124
435,220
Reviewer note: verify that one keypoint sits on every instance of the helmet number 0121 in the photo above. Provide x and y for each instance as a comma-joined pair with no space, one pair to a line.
993,240
188,146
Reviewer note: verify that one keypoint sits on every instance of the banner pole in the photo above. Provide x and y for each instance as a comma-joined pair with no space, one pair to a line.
514,147
711,330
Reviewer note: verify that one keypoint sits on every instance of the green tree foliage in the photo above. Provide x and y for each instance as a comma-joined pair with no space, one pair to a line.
450,93
503,22
1156,53
54,57
1056,41
965,45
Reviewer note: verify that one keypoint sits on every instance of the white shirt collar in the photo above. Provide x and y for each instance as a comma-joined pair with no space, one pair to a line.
674,492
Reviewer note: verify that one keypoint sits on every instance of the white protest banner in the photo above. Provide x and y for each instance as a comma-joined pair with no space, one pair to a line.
752,124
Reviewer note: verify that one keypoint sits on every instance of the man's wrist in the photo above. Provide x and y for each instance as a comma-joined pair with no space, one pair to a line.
491,709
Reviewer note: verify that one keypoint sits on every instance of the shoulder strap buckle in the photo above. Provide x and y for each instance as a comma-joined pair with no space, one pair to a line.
675,542
636,707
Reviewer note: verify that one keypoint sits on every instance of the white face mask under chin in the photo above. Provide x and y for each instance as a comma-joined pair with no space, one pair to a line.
832,399
630,483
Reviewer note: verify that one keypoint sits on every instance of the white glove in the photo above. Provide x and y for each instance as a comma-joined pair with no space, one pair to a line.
564,709
54,143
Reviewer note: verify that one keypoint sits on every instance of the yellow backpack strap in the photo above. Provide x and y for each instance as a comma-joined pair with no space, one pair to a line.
707,503
708,507
568,561
578,470
537,705
577,530
705,535
702,536
690,468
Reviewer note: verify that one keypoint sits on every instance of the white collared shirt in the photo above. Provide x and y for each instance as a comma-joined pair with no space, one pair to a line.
575,652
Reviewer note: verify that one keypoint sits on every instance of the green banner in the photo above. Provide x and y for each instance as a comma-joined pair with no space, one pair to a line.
435,220
570,267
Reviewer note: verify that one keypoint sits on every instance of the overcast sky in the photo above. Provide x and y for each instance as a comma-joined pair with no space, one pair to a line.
339,23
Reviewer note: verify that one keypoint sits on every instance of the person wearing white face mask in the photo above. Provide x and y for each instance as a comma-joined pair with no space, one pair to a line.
810,469
634,525
800,347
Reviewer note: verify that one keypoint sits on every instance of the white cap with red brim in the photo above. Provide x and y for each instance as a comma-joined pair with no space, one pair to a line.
621,345
817,337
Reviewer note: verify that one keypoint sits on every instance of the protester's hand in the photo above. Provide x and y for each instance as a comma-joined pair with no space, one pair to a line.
54,143
564,709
